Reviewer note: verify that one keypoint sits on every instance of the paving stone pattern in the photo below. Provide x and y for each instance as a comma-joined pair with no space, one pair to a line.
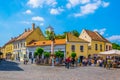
34,72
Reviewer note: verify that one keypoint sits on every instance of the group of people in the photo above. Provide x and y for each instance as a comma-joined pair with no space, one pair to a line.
70,62
108,62
26,60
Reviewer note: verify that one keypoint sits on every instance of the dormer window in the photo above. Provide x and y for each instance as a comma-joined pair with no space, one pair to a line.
34,43
43,42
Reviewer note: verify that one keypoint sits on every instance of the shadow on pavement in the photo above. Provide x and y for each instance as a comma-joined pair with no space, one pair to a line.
9,66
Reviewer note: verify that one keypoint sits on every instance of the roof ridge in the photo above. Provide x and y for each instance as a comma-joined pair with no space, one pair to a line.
101,36
73,38
96,36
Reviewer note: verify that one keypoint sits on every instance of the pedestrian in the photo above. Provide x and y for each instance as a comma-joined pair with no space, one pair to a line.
105,63
68,62
109,63
73,61
32,60
53,62
78,61
19,59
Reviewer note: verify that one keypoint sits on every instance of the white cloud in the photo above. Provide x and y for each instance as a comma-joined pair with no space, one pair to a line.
84,1
101,31
105,4
56,11
28,12
37,18
41,24
40,3
68,5
73,3
114,38
87,9
90,8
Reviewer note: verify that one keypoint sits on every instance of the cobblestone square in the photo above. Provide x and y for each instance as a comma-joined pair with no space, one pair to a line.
19,71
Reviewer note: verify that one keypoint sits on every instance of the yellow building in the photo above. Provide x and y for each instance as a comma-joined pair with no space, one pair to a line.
67,46
97,43
8,49
77,45
28,36
3,51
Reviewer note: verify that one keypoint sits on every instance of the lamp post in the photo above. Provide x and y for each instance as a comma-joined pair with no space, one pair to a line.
51,36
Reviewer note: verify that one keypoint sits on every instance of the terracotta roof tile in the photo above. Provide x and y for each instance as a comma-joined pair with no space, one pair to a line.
10,41
47,42
96,36
24,35
72,38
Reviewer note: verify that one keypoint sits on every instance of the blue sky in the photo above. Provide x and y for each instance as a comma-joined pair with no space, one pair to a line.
63,15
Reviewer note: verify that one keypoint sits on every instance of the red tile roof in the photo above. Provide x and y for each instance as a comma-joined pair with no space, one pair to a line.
96,36
24,35
10,41
47,42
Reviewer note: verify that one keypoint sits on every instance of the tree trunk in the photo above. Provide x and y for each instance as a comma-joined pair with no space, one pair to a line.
52,47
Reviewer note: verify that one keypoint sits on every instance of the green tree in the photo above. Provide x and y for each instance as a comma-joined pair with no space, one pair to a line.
115,46
47,54
118,48
61,36
61,55
73,54
38,53
75,33
57,53
35,54
50,35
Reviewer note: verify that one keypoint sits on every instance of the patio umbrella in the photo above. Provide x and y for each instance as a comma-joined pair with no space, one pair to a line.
111,53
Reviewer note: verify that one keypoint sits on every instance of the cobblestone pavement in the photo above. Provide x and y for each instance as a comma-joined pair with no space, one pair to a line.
34,72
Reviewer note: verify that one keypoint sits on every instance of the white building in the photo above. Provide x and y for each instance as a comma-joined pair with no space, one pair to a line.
59,44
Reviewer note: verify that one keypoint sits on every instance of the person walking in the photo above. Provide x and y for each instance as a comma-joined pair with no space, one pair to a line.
68,62
73,61
32,60
109,63
53,62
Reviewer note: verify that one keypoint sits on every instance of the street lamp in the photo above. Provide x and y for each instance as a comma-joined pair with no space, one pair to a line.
51,36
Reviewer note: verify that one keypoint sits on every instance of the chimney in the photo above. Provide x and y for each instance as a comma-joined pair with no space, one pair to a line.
33,26
25,30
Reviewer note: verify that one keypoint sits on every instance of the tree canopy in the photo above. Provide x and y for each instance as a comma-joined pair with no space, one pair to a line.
59,54
38,52
115,46
50,35
73,54
47,54
63,36
75,33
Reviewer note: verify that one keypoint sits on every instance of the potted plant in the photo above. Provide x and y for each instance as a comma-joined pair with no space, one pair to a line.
38,53
47,56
